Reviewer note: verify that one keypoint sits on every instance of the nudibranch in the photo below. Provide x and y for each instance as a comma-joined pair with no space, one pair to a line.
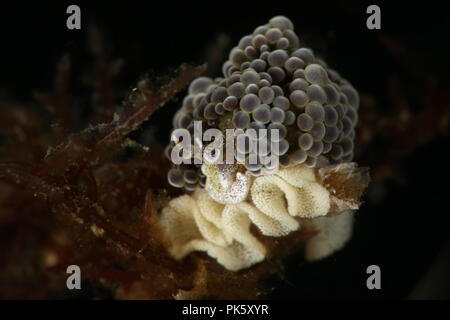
270,81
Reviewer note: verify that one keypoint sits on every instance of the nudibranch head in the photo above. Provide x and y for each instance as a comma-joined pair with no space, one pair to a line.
271,81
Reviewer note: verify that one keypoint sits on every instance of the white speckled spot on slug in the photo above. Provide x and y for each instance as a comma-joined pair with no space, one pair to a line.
226,183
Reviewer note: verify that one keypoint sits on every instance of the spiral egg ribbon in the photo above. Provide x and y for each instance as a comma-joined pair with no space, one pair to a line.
198,223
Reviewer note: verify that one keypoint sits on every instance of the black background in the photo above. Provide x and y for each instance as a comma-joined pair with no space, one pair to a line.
402,235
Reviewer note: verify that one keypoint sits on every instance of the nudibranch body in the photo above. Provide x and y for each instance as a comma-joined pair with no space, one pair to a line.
269,82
